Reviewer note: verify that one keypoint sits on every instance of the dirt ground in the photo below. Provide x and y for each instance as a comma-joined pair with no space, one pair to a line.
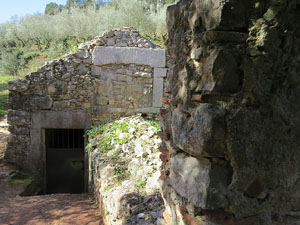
55,209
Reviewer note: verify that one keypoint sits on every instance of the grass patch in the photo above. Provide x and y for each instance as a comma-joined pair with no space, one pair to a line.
25,181
139,183
35,60
20,179
155,124
107,188
103,137
4,92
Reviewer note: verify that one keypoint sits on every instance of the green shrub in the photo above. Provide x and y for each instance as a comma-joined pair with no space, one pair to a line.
12,61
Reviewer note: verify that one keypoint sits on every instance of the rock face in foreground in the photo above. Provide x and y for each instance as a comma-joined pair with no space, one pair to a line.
232,122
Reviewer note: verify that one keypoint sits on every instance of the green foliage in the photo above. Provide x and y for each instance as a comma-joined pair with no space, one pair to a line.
102,137
19,178
107,188
120,172
4,93
115,154
62,28
155,124
53,8
94,131
139,183
11,61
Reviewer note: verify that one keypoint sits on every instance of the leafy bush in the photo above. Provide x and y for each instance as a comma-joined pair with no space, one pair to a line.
12,61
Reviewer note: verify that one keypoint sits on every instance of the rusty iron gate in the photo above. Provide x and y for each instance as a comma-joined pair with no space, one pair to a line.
64,160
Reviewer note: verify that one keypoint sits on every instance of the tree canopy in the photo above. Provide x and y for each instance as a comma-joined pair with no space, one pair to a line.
62,28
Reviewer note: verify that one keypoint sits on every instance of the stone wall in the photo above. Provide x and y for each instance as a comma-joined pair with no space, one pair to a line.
133,195
118,73
231,122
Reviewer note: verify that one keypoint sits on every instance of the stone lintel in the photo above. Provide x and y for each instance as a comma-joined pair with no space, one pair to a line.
103,55
60,120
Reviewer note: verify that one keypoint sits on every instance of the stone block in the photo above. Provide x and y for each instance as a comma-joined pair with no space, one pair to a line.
160,72
18,101
158,89
202,134
110,41
96,70
134,90
17,130
18,117
88,61
200,181
60,120
41,102
121,44
82,69
61,104
82,54
84,46
19,85
103,55
147,110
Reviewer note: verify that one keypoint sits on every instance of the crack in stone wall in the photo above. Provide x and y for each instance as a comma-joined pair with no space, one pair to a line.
231,117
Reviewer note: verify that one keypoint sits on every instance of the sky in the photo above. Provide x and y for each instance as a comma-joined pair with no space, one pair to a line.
10,8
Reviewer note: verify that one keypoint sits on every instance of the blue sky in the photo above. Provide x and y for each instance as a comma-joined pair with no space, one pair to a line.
10,8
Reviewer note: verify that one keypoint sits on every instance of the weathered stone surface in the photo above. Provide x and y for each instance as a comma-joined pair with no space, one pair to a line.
232,96
18,117
107,55
82,54
203,134
201,182
190,178
18,85
18,101
84,46
160,72
60,120
158,89
150,110
41,102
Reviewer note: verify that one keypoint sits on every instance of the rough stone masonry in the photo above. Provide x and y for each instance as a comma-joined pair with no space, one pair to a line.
118,73
231,125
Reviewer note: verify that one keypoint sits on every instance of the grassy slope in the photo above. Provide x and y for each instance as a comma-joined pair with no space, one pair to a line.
4,92
33,65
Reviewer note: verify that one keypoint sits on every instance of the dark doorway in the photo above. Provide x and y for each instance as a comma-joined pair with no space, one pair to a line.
64,161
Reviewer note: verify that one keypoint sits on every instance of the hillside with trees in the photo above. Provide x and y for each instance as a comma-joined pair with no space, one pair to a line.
62,28
28,42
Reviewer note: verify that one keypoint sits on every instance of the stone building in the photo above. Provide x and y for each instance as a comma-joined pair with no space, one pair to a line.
118,73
